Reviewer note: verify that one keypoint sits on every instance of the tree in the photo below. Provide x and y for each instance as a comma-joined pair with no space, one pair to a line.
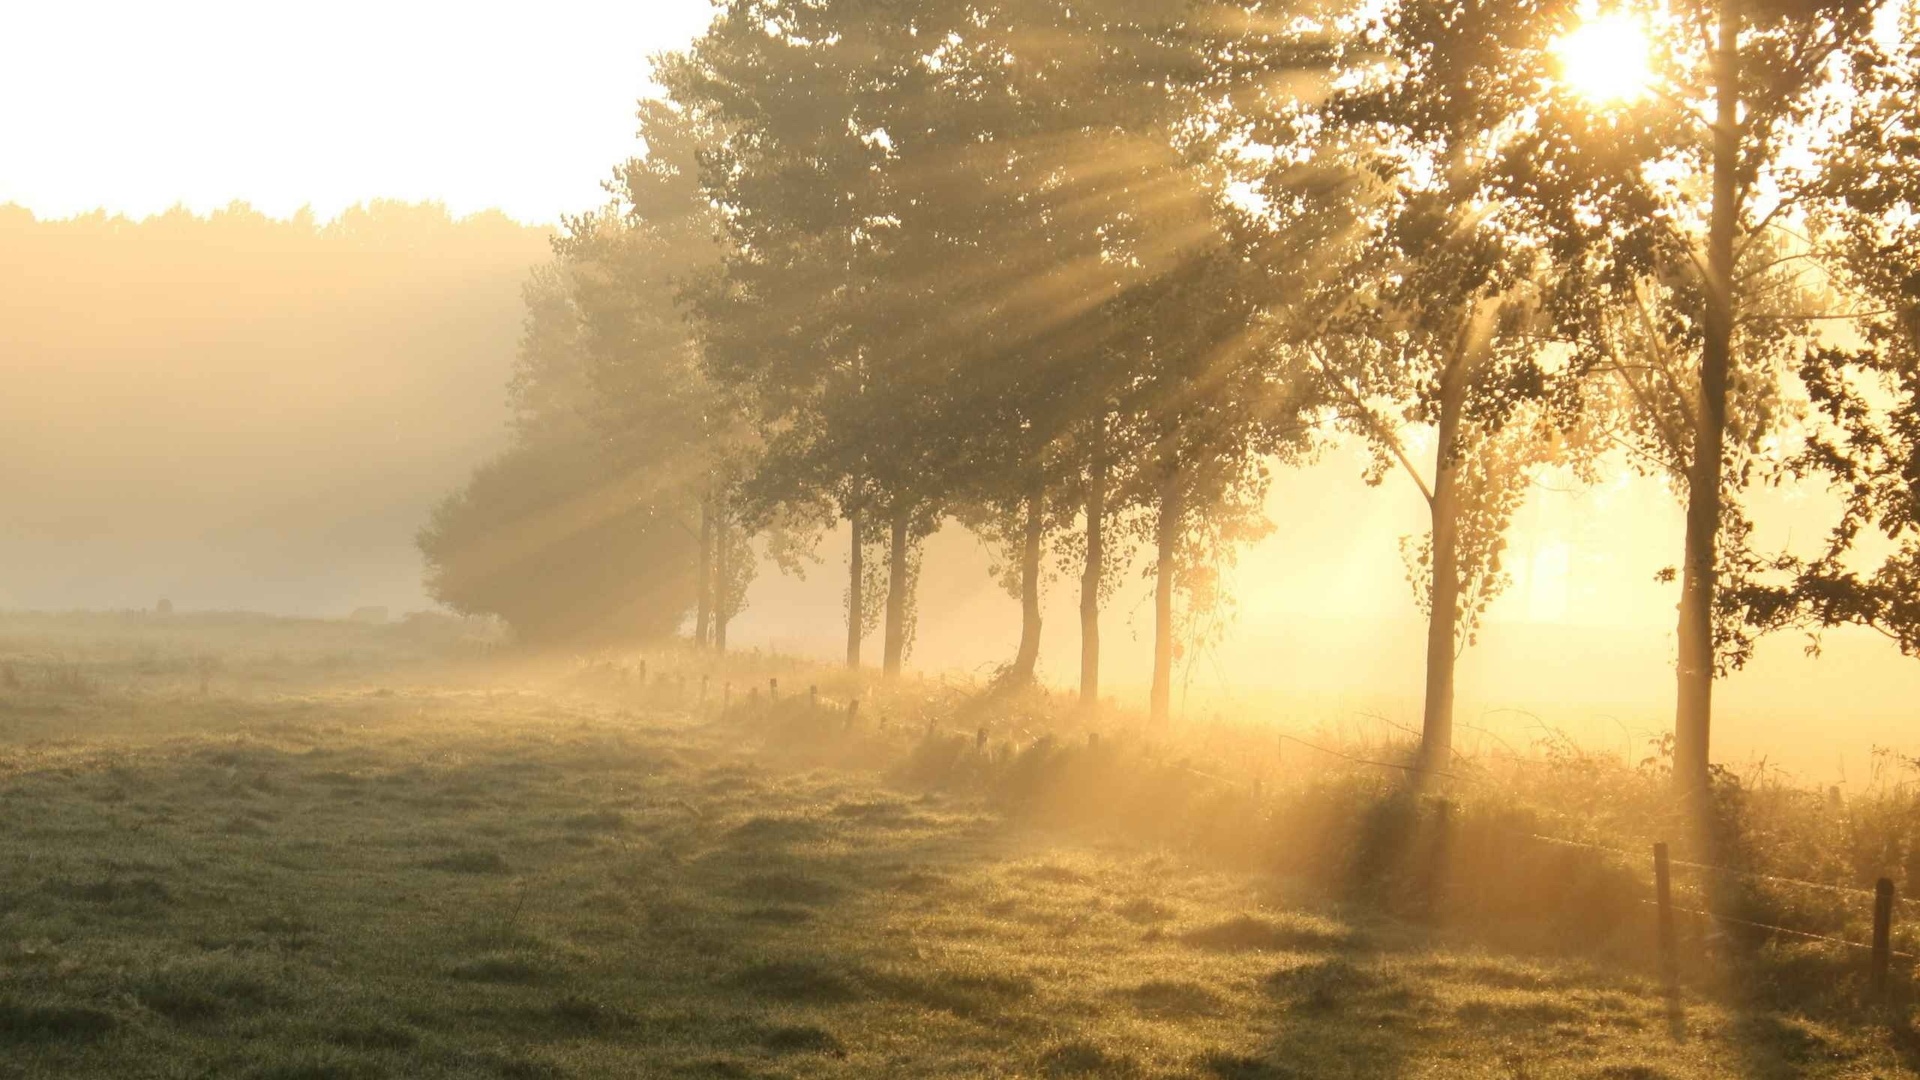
553,536
1864,382
1685,231
801,322
1417,308
1078,189
1439,350
654,407
1642,268
1213,401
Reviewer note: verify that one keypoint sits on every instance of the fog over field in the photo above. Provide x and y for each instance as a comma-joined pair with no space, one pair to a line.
956,539
232,411
236,412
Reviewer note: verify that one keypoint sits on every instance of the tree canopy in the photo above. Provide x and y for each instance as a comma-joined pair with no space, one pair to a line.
1080,277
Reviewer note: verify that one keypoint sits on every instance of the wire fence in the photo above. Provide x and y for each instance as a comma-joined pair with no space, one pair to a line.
1883,896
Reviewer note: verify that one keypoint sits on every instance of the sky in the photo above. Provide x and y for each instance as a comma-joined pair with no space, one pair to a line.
135,106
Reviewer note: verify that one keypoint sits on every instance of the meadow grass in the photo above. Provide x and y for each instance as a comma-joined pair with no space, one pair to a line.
427,862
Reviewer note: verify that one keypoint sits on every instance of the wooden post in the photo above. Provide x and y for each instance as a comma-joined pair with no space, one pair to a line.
643,673
773,689
1882,934
813,696
1663,897
980,739
853,712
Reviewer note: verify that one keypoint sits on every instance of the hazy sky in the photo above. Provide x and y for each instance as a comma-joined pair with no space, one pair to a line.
135,106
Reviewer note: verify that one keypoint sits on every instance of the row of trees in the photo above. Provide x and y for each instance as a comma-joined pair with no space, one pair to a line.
1078,276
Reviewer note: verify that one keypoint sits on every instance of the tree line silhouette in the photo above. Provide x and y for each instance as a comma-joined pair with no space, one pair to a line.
1081,276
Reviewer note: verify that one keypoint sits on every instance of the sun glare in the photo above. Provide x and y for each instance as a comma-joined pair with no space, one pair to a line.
1606,58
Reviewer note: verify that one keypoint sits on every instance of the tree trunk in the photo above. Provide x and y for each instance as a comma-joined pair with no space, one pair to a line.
1443,615
1090,576
722,575
856,610
1166,537
1027,660
703,604
1693,714
896,642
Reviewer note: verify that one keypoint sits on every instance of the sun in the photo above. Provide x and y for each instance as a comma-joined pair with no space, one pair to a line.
1606,59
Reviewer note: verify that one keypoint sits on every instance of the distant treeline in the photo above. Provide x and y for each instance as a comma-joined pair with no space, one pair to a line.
1078,276
235,411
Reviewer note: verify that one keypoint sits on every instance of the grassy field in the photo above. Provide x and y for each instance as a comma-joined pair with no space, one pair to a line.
377,852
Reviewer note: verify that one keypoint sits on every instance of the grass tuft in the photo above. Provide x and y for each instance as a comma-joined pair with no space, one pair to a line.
782,887
1246,933
1169,998
802,1039
969,995
1322,985
472,861
23,1023
778,915
1227,1066
374,1035
794,980
1079,1057
206,991
512,968
773,830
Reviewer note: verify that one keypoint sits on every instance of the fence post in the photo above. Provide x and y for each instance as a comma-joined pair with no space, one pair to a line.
853,712
1882,934
813,696
980,739
1663,896
643,674
773,689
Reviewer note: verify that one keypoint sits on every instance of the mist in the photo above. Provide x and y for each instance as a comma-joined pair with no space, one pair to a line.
238,412
1228,540
234,412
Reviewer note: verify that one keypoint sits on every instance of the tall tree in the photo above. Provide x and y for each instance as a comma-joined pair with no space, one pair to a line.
803,322
562,540
1415,299
1075,188
630,264
1608,197
1214,401
1685,229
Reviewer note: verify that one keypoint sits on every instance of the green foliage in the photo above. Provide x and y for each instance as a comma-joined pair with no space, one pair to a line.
563,548
1863,385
